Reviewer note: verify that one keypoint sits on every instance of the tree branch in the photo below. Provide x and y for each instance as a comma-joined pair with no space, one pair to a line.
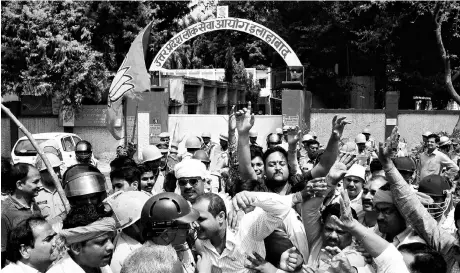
455,76
447,71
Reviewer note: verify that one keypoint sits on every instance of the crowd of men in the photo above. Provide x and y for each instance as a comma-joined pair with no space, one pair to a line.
298,206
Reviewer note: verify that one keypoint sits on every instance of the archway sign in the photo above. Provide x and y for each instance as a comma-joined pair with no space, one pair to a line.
231,23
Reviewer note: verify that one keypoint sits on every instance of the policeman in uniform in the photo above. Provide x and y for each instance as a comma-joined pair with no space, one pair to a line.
253,134
167,219
48,199
165,137
84,184
84,153
207,143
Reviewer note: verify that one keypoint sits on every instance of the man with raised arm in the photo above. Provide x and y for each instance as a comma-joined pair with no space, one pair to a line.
415,213
280,180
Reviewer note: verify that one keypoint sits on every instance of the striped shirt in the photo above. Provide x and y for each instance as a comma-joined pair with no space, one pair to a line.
254,227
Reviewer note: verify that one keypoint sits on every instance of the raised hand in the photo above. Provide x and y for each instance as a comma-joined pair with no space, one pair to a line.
315,188
234,219
386,149
336,173
244,120
338,124
232,119
293,135
259,264
346,216
347,159
290,260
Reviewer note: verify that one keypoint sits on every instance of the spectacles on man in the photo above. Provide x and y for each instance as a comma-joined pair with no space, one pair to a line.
184,181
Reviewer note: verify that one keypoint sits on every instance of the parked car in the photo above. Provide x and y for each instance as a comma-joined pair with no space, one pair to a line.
60,144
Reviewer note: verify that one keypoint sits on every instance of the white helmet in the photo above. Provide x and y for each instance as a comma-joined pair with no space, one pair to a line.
307,137
366,131
253,133
126,206
279,131
151,153
360,138
444,140
52,158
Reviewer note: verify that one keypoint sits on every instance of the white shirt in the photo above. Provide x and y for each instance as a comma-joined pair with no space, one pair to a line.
254,227
19,267
390,261
67,265
295,230
123,247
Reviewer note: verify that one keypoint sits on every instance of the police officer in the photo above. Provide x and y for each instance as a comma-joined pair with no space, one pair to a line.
153,160
84,153
166,220
192,144
84,184
165,137
48,199
207,143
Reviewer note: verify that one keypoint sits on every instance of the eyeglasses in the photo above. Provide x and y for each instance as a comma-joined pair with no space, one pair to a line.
184,181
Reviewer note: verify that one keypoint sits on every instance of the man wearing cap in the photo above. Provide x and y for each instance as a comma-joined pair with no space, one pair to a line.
444,145
127,208
363,155
219,154
308,154
207,145
433,161
165,137
354,181
48,199
455,154
253,134
89,242
273,140
190,175
370,142
152,159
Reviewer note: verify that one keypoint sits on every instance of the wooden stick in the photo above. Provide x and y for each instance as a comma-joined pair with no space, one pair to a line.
56,182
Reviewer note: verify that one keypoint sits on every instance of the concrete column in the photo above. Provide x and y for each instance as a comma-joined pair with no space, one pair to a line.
294,105
391,111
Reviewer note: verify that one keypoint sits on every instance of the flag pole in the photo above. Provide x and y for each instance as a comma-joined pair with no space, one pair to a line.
40,152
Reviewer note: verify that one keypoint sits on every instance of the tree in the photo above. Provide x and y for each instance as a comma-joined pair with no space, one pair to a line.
441,13
46,51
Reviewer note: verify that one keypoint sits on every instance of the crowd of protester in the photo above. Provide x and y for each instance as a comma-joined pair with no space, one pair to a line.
298,206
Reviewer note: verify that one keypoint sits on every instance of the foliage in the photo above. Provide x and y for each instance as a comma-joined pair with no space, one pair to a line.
71,49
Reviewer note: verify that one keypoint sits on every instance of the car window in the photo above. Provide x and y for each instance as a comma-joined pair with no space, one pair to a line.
68,144
76,139
25,147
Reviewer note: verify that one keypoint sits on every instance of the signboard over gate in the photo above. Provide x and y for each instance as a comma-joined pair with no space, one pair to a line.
230,23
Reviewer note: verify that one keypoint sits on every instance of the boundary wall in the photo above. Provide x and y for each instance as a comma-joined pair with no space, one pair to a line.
411,123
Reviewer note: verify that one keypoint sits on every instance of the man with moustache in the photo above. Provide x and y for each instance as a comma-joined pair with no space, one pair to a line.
369,190
147,180
32,246
227,249
190,175
355,179
433,161
23,186
153,159
390,223
89,242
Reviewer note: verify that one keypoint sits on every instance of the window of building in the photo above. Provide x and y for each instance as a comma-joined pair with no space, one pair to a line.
191,109
263,83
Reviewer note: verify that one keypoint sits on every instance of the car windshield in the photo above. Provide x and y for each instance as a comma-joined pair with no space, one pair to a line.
25,147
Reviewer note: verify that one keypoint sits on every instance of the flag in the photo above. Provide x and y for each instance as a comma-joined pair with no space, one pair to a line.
132,77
